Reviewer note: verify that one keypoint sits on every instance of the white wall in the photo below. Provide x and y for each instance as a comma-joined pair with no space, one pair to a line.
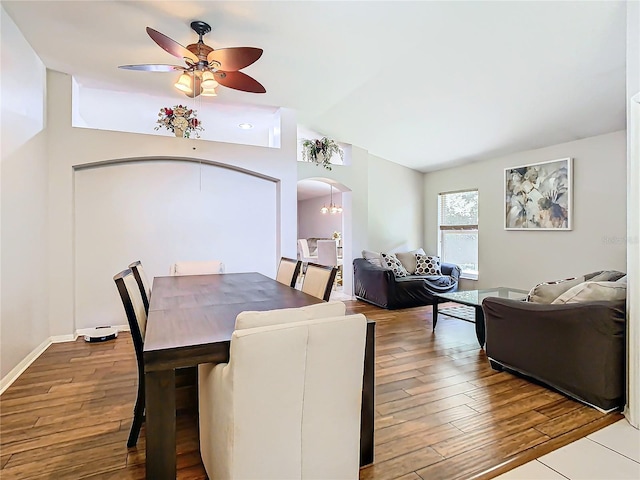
71,148
633,206
102,109
160,212
313,223
23,279
525,258
395,207
381,201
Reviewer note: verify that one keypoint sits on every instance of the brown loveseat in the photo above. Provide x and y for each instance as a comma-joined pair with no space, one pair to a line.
576,348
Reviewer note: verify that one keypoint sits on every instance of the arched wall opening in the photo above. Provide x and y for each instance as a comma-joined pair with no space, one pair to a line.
163,210
313,193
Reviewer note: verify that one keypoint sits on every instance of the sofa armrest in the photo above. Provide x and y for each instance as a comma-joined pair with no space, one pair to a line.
372,283
577,348
451,269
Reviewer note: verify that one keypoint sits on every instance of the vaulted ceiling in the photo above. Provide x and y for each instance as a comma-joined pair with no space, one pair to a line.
422,84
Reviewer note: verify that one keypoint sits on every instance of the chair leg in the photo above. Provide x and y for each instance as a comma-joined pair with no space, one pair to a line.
138,417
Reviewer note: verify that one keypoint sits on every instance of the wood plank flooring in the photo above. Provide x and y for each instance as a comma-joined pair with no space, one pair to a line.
441,411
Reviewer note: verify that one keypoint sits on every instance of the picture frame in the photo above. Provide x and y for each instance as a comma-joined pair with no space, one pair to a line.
538,196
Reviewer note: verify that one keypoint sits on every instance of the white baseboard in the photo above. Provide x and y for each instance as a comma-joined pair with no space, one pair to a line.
63,338
83,331
13,375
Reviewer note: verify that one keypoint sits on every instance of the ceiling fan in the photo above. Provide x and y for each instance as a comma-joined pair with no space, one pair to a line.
206,68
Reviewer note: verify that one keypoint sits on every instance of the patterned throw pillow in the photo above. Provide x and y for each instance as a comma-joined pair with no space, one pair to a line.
394,264
427,265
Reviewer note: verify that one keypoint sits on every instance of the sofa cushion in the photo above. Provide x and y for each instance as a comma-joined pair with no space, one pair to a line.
547,292
427,265
408,259
593,291
392,262
372,257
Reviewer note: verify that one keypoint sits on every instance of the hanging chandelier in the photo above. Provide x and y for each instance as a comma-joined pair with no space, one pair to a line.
332,208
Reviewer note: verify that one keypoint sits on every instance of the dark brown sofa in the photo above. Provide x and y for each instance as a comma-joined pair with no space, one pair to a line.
578,349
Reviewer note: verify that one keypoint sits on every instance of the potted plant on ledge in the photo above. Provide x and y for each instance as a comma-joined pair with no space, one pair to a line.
321,151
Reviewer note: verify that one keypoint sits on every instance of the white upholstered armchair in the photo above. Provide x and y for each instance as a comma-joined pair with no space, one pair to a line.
287,405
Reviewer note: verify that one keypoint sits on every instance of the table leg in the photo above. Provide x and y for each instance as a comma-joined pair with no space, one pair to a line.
480,330
367,415
160,393
435,314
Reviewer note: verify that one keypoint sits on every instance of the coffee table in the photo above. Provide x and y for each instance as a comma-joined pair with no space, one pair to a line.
473,300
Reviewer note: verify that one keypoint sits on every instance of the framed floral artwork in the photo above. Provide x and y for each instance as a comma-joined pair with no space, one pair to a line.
538,196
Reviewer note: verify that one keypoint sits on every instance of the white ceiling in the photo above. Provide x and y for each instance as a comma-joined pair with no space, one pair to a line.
422,84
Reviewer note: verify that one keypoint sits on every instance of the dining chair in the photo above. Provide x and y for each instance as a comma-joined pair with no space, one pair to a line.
287,404
328,253
288,271
131,297
143,283
303,251
197,268
318,280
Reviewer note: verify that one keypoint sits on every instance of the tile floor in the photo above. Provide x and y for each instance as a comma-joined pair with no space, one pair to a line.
608,454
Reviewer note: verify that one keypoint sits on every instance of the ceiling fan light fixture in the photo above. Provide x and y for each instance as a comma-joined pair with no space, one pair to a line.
208,81
184,84
208,92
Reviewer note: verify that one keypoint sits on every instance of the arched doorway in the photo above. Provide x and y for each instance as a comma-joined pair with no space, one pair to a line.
317,219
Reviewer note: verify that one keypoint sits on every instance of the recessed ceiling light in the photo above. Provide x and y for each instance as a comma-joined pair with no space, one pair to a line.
245,126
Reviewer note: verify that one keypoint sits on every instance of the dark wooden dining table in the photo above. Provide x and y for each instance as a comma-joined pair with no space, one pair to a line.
191,319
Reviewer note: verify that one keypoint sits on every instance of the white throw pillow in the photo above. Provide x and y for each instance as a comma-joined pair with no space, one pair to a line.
408,259
593,291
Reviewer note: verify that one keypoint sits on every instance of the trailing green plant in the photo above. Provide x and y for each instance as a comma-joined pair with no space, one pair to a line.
321,151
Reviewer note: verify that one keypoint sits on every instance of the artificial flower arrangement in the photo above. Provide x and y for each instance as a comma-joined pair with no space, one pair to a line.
181,120
321,151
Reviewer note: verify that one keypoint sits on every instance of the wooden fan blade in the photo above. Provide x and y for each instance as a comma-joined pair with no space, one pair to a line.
239,81
171,46
153,68
234,58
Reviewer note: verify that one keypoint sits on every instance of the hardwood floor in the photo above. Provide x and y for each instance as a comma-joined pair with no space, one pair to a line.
441,411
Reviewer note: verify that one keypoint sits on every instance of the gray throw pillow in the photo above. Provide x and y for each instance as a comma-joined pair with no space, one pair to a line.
373,258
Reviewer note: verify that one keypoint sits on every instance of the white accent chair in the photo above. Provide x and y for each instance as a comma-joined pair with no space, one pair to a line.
196,268
288,271
303,251
287,405
328,253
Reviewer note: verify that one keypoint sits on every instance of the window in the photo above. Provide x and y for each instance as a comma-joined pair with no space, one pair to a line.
458,230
